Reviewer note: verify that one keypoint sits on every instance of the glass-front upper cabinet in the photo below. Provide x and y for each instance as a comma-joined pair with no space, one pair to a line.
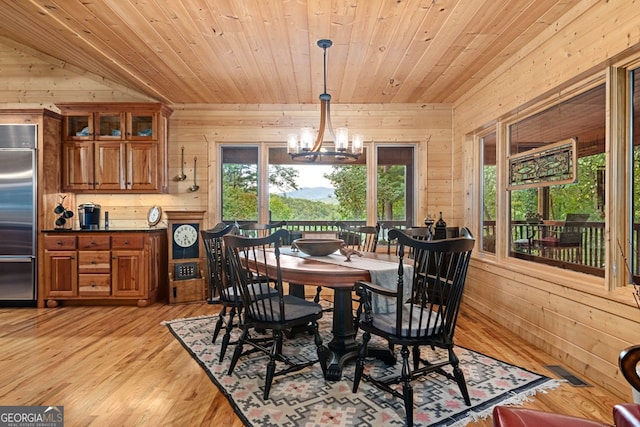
78,126
109,126
141,126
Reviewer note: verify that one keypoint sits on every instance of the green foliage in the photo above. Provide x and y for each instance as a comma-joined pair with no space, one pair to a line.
579,197
523,202
636,184
391,192
293,209
283,178
350,184
239,192
489,185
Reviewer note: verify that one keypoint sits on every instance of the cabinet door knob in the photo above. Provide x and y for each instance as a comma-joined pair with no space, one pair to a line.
93,262
59,243
126,242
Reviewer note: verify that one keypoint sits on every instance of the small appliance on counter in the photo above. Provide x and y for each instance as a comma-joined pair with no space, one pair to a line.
89,216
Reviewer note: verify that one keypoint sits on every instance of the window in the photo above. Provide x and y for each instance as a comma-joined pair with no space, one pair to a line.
316,191
307,195
635,144
239,178
488,198
395,183
563,224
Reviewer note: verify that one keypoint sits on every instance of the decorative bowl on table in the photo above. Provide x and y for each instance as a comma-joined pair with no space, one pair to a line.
317,247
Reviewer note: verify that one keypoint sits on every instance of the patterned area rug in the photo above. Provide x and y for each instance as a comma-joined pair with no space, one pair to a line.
304,398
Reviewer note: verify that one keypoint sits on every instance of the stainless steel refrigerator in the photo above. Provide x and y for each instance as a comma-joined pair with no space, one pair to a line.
18,215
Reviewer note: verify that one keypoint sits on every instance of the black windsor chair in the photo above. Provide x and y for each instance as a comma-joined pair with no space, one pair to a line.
418,321
363,238
220,280
265,311
253,229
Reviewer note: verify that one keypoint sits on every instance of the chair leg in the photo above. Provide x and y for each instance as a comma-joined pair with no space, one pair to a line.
357,376
238,351
227,334
317,297
216,331
407,389
459,376
276,349
416,357
320,349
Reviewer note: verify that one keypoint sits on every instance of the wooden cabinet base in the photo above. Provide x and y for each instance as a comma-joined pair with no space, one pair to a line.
189,290
52,303
104,267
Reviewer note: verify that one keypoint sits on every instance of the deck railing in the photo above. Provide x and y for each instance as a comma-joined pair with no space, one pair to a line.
589,257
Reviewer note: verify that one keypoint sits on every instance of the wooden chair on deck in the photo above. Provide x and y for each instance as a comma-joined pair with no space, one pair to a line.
277,312
568,237
418,321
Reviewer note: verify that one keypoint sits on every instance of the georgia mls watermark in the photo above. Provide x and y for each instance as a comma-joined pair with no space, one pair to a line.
31,416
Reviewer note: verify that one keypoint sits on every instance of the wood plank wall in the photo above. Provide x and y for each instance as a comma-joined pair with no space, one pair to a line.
569,315
201,128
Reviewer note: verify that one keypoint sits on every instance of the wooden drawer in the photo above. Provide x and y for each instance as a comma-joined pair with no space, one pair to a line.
93,242
133,241
94,284
59,242
94,262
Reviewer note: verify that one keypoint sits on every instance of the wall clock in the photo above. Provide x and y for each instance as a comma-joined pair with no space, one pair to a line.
186,267
185,240
154,215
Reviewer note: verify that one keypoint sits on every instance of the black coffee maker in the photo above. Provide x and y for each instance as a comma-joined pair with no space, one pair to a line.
89,216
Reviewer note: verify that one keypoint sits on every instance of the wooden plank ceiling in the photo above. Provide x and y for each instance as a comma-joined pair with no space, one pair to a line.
265,52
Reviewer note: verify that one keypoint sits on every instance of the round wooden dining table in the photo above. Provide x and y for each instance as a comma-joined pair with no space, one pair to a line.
301,270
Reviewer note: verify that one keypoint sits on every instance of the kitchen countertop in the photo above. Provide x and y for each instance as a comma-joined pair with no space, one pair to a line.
104,230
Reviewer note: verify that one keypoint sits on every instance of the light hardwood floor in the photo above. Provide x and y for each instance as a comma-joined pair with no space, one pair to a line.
120,366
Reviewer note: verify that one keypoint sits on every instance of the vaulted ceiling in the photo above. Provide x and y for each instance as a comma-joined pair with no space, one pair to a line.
265,52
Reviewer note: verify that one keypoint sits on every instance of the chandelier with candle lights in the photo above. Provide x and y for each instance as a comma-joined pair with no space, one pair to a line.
304,148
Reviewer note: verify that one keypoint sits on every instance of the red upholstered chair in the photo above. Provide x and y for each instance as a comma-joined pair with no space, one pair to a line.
624,415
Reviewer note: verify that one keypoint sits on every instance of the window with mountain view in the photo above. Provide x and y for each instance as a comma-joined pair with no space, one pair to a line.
338,192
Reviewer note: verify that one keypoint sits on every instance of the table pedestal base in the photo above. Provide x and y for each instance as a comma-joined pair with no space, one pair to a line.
343,347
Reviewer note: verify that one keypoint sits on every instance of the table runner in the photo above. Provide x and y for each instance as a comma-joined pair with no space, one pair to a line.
383,273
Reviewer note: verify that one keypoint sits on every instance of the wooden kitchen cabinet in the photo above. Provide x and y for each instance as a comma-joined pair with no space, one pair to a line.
127,265
104,266
128,273
115,147
61,268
